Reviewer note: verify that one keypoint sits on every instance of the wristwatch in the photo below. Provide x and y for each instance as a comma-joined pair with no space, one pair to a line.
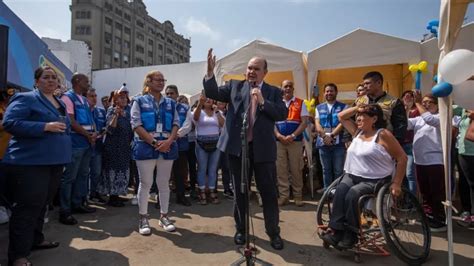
293,136
153,143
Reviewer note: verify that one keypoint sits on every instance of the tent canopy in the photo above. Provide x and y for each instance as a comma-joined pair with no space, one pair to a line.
361,48
283,64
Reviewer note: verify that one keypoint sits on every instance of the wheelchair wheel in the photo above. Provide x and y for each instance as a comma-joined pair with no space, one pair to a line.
323,212
404,225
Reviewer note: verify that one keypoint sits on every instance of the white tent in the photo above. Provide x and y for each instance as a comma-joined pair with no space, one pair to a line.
188,77
361,48
282,64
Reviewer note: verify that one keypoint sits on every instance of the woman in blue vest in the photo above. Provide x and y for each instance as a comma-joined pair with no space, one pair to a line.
37,152
155,122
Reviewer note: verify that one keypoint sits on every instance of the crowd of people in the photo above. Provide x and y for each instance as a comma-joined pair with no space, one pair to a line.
65,150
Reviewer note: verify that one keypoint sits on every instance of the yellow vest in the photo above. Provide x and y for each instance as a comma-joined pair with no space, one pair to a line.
386,102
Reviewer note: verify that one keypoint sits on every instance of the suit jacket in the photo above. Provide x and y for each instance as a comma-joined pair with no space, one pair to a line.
25,118
237,94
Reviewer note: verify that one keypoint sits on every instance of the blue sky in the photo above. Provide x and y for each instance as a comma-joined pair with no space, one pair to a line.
226,25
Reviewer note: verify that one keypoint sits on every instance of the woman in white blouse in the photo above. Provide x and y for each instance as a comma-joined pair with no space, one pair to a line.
428,157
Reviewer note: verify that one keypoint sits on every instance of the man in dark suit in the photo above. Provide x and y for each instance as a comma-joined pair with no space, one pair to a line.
265,106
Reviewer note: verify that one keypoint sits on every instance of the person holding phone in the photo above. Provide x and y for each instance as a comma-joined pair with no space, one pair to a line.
34,161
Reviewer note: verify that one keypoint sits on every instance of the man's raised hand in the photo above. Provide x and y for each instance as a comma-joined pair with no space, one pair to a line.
211,63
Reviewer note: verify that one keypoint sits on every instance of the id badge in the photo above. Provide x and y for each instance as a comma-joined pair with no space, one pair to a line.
159,128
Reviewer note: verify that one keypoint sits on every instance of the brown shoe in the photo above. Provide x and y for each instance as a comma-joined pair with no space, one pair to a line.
283,201
202,197
299,202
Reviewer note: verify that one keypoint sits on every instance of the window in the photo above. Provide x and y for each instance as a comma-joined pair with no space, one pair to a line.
116,57
118,41
139,62
108,38
118,26
160,58
108,21
160,46
150,42
150,54
169,51
140,49
127,16
107,51
140,36
106,66
83,14
125,59
126,44
118,12
108,6
83,30
169,41
126,30
140,23
169,61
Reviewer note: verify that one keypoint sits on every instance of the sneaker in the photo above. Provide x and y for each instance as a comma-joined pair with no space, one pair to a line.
153,196
437,226
464,215
166,224
299,202
229,194
4,217
282,201
467,221
144,226
134,200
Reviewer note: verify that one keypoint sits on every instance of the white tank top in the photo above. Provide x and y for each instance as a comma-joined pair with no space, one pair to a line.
368,159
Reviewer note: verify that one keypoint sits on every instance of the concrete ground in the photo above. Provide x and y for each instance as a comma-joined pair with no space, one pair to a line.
205,237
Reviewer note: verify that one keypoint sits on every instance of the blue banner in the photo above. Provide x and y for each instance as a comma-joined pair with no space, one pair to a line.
26,52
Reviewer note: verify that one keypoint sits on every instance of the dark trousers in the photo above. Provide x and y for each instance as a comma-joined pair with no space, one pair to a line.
31,187
134,176
180,172
224,166
430,180
345,205
265,178
467,165
192,165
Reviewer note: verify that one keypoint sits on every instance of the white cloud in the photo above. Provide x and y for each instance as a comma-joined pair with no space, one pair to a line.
199,27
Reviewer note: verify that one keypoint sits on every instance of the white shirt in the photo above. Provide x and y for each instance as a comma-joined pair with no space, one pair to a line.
207,125
427,149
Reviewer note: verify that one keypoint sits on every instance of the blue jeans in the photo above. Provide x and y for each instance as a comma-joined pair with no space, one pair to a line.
410,171
95,170
332,161
207,163
73,189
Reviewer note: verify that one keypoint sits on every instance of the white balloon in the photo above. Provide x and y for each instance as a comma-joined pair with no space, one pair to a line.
457,66
463,94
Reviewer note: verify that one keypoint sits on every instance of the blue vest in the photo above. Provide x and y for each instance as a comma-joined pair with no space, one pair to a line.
182,109
100,121
83,116
328,119
151,114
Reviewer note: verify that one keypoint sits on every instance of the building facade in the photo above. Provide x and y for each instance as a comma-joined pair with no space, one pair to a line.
121,34
76,55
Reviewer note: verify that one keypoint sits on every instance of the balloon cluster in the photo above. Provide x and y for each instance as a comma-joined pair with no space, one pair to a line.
456,70
433,27
418,69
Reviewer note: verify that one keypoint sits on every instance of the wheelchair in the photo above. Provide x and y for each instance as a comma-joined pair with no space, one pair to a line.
386,224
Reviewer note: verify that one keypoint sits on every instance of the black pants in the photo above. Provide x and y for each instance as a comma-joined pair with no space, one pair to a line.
430,179
192,165
180,172
224,166
265,178
31,187
467,165
345,205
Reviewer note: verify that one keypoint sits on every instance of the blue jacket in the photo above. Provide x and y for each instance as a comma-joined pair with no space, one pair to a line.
328,120
99,115
183,143
25,118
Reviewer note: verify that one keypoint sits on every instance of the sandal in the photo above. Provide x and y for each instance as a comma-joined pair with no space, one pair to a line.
202,197
46,245
214,198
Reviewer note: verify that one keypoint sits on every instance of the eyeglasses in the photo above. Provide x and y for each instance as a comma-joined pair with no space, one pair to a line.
159,80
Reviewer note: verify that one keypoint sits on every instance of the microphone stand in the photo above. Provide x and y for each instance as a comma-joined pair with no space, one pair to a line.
248,253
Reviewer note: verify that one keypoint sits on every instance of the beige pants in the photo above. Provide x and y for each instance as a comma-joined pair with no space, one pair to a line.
288,162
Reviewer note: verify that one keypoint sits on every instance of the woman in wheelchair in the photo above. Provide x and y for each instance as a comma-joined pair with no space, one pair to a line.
373,156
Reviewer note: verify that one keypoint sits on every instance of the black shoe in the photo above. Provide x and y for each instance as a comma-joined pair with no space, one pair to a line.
348,241
67,220
183,200
193,194
97,198
116,203
83,209
229,194
276,242
332,238
122,199
239,238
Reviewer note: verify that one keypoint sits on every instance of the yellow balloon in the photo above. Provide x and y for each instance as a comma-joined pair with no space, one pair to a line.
423,66
413,68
